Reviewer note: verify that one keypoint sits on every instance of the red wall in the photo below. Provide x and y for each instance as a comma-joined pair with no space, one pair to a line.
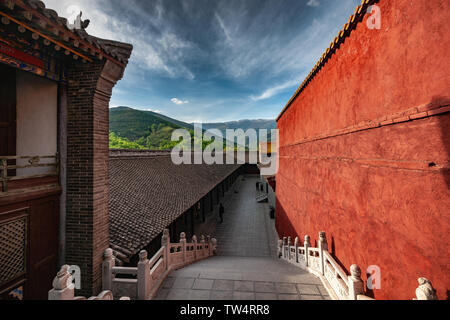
365,148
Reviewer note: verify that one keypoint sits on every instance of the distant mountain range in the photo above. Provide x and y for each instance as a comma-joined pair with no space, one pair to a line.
244,125
137,129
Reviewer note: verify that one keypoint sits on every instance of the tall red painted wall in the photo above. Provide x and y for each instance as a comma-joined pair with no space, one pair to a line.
365,149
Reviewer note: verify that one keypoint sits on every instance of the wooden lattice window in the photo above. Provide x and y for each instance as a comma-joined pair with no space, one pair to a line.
13,244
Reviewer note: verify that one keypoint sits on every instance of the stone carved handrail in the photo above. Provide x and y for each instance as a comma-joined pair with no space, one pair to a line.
150,273
321,263
64,289
124,270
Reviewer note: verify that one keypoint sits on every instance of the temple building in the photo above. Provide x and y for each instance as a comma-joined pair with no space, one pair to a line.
364,148
56,83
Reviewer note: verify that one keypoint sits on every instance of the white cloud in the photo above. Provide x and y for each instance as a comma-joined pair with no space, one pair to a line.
276,90
313,3
162,53
152,110
178,101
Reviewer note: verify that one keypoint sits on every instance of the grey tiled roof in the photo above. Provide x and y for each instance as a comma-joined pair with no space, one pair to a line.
47,21
148,192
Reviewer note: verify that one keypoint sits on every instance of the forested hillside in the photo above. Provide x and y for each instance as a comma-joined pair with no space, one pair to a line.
137,129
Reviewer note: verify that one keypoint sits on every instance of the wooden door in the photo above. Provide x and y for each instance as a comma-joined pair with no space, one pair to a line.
43,256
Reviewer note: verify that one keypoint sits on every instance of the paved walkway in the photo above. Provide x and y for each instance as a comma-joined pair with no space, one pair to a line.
247,230
239,278
246,267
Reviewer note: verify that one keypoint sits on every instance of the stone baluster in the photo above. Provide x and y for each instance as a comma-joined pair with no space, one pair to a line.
202,241
307,246
289,244
109,262
323,246
208,240
296,243
284,247
214,246
165,242
143,275
280,248
355,283
63,287
194,241
425,290
183,245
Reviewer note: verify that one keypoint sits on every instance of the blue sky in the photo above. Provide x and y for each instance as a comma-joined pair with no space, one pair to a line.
213,60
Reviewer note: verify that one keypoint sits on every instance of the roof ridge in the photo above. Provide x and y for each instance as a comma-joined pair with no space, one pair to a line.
53,27
345,32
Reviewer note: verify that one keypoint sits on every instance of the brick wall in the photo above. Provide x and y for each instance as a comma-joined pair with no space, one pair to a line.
365,150
87,222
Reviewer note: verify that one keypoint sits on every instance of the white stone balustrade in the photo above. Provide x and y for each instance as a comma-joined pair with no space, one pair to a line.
319,262
146,279
339,285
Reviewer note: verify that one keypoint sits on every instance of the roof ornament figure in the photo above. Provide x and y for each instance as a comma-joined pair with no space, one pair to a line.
79,24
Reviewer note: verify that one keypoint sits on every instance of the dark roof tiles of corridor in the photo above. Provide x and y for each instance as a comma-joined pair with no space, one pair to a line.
148,192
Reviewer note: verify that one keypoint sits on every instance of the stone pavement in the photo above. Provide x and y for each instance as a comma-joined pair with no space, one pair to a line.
247,230
239,278
246,267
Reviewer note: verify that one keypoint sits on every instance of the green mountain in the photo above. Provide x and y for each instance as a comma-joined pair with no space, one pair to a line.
137,129
244,125
146,129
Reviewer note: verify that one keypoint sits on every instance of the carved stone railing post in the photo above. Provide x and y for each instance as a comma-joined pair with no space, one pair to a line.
296,243
63,288
425,290
213,246
143,275
355,283
289,244
280,248
284,247
194,242
183,245
208,240
323,246
202,241
307,246
108,264
165,242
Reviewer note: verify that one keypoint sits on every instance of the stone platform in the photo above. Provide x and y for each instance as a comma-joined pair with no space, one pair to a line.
246,267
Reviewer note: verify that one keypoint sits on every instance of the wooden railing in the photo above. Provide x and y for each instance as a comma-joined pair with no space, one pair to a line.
32,162
144,281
